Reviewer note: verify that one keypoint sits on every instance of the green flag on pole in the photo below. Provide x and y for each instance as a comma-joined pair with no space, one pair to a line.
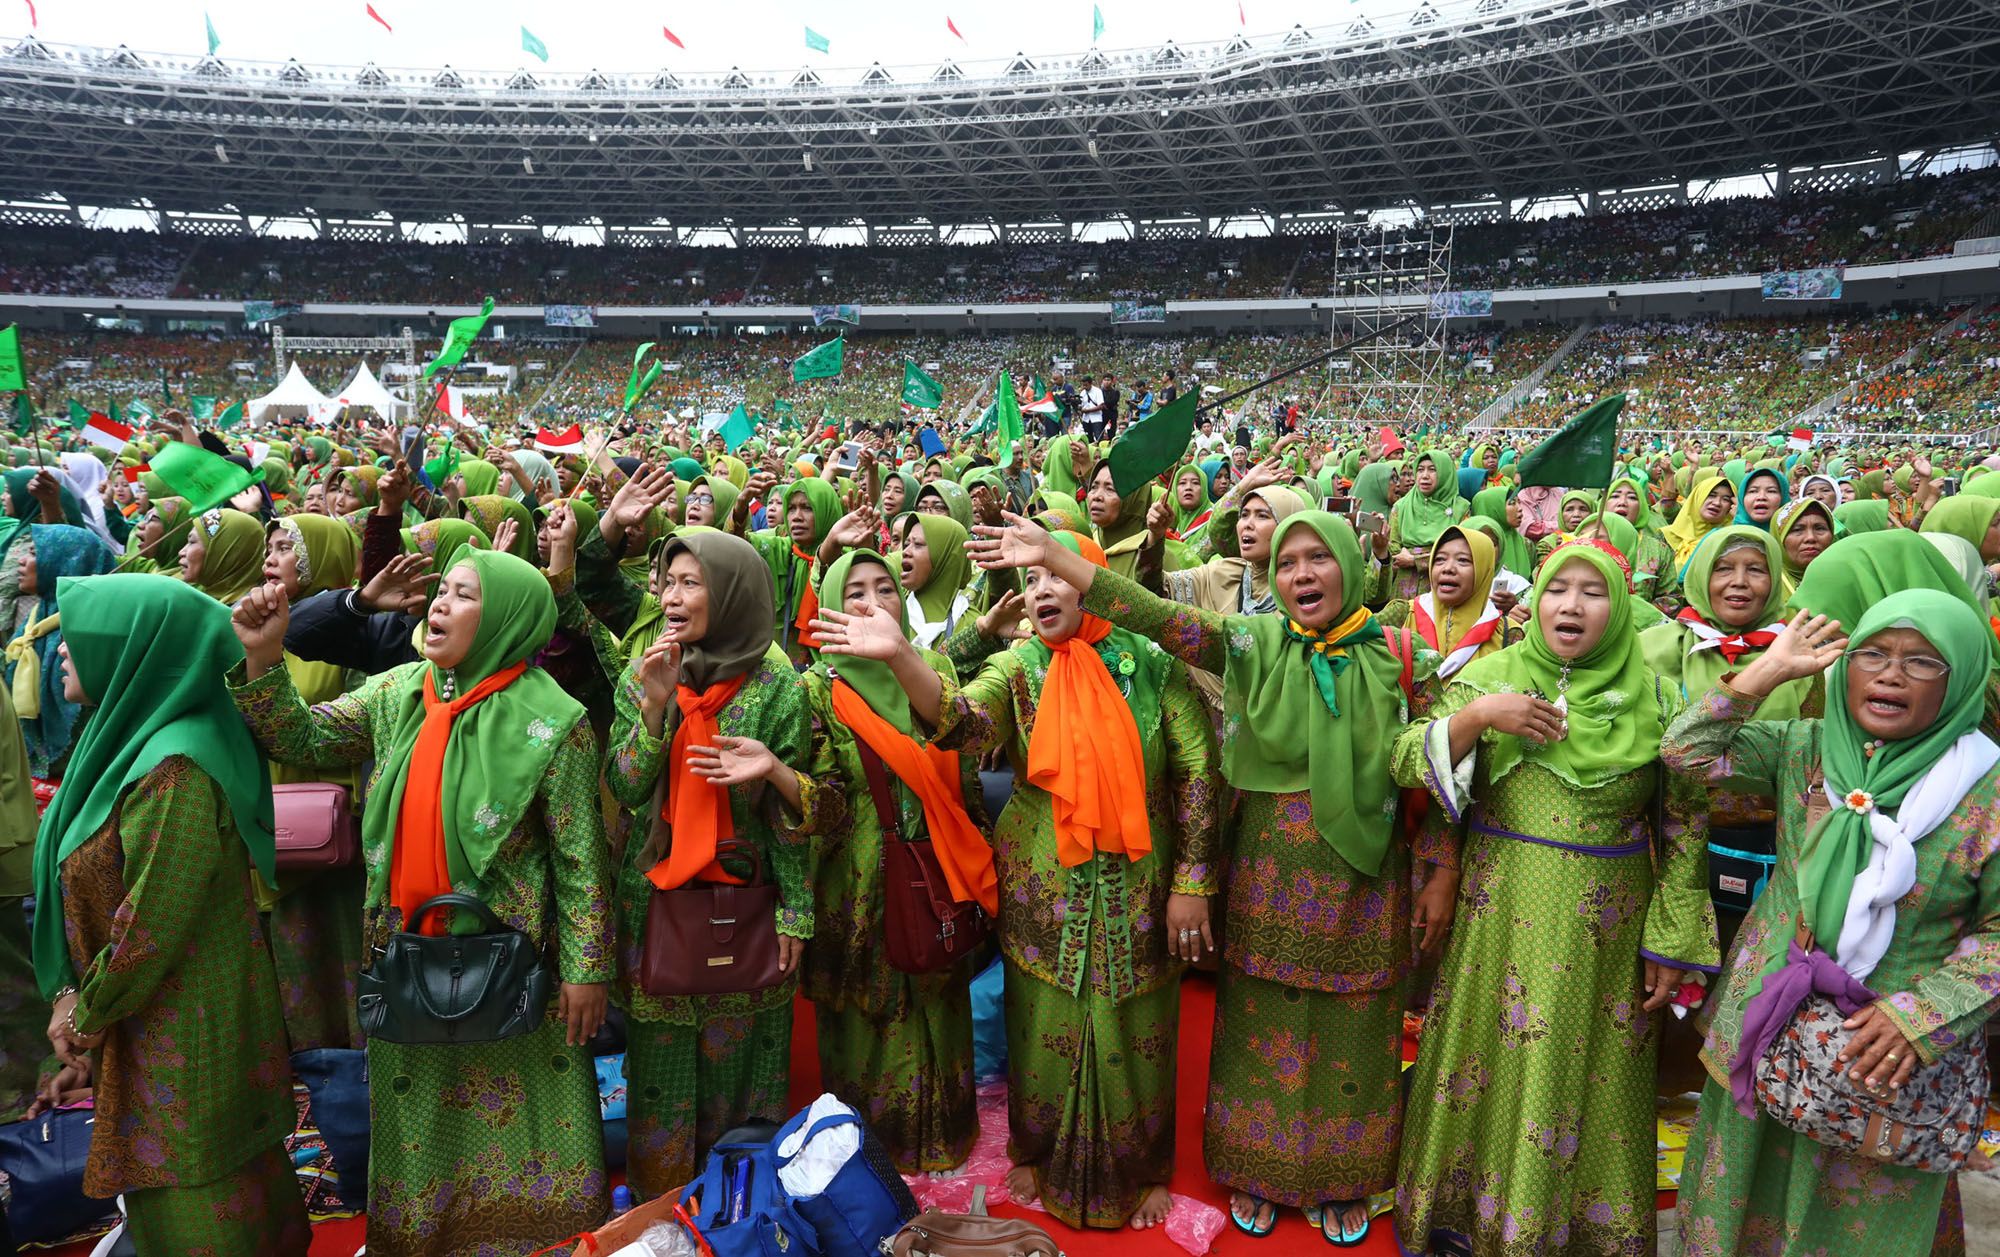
136,409
79,415
920,390
820,363
637,386
214,40
202,408
458,337
737,428
12,373
204,479
230,417
1581,453
24,415
1006,421
1152,446
166,394
112,412
783,410
1096,23
816,41
532,45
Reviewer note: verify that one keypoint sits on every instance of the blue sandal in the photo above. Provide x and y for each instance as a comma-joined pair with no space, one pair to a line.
1251,1228
1344,1238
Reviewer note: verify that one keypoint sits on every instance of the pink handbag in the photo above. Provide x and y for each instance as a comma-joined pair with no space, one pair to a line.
315,826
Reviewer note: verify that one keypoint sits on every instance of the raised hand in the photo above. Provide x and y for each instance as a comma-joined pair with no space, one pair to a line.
1022,543
870,633
393,490
562,525
260,621
506,535
855,529
659,677
1003,621
733,761
1159,519
1808,646
647,488
760,484
402,585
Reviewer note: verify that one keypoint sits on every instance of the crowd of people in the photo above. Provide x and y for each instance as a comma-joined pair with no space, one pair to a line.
1690,760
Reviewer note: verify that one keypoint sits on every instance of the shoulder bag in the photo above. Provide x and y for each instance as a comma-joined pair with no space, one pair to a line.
710,938
454,988
936,1234
315,826
924,929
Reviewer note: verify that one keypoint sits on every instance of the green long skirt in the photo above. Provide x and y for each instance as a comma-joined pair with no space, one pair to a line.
909,1074
254,1211
687,1086
24,1016
489,1148
1090,1095
315,934
1750,1186
1305,1091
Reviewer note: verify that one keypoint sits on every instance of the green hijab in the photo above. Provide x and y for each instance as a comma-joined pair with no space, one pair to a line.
22,504
1671,648
1781,527
871,678
442,539
1618,531
957,502
234,564
1862,515
481,477
1423,516
1961,516
1857,572
1184,516
178,518
910,489
1614,722
951,566
1517,553
500,747
153,652
328,553
1371,488
1058,474
1278,681
489,509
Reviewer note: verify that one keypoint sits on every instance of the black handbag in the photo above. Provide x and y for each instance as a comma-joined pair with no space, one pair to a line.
454,988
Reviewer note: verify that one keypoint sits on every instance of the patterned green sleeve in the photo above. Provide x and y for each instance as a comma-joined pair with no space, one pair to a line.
1420,758
169,827
1396,614
332,734
1718,740
1680,921
981,715
1191,767
581,860
966,646
1954,1001
633,757
1192,635
822,805
1220,535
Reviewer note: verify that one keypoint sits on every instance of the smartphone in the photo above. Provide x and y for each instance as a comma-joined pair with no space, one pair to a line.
1339,506
1370,521
847,457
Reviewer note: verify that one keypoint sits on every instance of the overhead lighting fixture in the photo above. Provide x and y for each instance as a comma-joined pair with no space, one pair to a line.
527,163
873,130
593,137
221,154
131,119
807,157
1090,144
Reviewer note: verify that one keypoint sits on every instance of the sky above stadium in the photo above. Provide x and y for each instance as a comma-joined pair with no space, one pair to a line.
629,35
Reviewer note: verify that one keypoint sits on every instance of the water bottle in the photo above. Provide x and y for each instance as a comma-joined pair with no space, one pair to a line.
621,1200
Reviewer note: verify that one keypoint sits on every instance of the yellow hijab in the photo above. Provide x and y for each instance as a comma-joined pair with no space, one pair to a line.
1688,528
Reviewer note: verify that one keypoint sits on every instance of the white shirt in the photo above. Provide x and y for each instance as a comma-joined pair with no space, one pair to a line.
1093,400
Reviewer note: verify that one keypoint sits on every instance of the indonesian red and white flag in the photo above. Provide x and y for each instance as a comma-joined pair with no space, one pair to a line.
450,402
1046,404
107,433
1801,439
568,441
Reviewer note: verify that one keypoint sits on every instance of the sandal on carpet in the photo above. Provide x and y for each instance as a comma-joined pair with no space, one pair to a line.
1251,1228
1342,1236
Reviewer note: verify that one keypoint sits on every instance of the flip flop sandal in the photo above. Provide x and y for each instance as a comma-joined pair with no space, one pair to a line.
1251,1228
1343,1238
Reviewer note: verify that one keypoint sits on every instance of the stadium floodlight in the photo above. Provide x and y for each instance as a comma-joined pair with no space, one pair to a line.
1090,144
131,119
807,157
221,154
528,163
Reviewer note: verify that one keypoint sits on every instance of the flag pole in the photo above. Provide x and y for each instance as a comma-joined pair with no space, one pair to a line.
1309,363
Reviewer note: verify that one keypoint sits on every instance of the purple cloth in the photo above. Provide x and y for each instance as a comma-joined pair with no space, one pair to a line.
1771,1009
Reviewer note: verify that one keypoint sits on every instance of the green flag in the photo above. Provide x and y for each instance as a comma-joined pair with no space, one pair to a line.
1096,23
12,373
637,386
230,417
530,44
24,415
458,337
1153,446
112,412
1006,420
989,418
79,415
1580,454
920,390
820,363
202,408
815,41
214,40
166,394
204,479
737,428
783,410
136,409
444,466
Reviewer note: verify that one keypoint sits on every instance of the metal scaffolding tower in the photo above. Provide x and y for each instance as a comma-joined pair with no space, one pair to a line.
1382,275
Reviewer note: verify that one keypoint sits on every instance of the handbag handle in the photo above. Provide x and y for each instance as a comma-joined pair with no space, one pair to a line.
459,901
747,851
492,965
829,1122
877,772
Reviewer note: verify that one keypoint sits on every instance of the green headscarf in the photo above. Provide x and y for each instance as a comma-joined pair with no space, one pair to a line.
1781,527
1277,682
1517,553
910,489
724,493
1618,531
1862,515
1058,474
1184,516
500,747
22,504
871,678
957,502
152,652
489,509
1371,488
1670,648
442,539
327,552
481,477
234,564
178,518
1423,516
1961,516
951,566
1614,722
1857,572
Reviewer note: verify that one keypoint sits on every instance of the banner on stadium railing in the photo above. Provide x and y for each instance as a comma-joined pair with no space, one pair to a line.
1468,303
1819,283
1138,312
850,315
569,316
255,312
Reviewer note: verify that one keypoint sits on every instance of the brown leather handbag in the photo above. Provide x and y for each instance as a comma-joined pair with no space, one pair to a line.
314,826
924,929
935,1234
710,938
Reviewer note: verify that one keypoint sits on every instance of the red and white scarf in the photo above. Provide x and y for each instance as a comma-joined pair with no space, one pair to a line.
1478,635
1732,645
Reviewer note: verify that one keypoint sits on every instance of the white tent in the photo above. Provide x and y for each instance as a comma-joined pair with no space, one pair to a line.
362,389
295,397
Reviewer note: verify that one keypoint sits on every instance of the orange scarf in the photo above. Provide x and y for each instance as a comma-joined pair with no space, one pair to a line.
1085,752
932,775
419,869
808,603
698,810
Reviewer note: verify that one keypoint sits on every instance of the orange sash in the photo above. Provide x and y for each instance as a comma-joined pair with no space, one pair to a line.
933,776
698,810
808,603
418,866
1085,752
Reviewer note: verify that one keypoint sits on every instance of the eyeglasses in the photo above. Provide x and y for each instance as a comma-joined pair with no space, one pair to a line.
1871,662
700,499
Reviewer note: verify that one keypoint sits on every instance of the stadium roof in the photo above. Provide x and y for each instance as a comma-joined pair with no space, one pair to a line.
1463,100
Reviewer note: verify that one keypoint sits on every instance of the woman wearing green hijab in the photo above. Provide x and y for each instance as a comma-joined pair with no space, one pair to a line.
1803,529
1120,522
710,721
937,574
488,511
1517,553
223,555
1655,575
1190,501
503,807
789,548
1879,908
1419,518
23,504
1547,753
711,502
23,1027
147,934
157,537
477,478
946,497
1059,468
1976,519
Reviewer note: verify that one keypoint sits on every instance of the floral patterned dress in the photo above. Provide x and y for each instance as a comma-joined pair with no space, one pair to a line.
1751,1186
486,1147
1093,995
1531,1124
696,1066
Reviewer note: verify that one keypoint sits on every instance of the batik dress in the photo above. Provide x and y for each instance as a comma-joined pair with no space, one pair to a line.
1531,1120
895,1045
497,1145
1304,1093
697,1066
1093,994
194,1088
1753,1186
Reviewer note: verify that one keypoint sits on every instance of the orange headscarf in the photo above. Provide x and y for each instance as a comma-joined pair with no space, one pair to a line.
418,869
697,810
1085,749
933,776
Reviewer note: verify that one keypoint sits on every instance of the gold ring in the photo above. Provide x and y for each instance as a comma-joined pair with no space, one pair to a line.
1894,1057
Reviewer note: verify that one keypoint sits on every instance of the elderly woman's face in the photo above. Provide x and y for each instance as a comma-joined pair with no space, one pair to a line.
1896,683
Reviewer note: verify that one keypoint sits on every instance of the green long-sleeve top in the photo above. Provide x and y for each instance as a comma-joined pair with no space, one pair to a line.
1533,807
1939,970
846,965
791,576
172,965
770,707
1298,913
550,878
1103,920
